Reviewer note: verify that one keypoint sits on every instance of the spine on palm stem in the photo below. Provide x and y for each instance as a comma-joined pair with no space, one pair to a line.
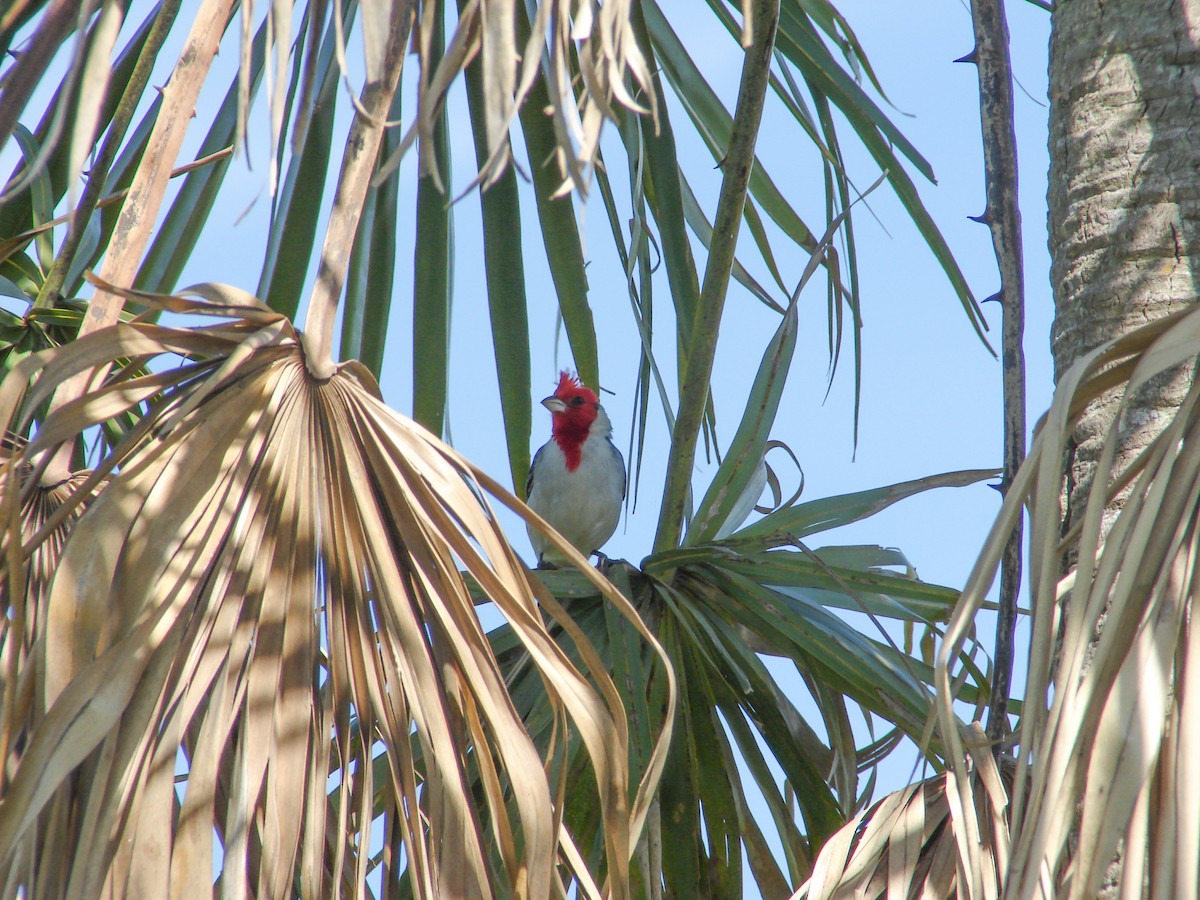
1002,216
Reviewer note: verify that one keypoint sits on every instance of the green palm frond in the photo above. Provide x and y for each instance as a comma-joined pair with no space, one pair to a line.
730,613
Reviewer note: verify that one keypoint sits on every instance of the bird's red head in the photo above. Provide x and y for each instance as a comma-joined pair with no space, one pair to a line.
570,387
574,407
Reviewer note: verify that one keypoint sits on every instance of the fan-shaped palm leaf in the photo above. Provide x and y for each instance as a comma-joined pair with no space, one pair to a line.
184,634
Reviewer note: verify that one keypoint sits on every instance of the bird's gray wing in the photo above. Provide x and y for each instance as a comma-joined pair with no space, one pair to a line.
620,464
532,466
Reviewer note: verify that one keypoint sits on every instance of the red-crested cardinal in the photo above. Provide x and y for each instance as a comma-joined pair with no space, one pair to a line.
577,480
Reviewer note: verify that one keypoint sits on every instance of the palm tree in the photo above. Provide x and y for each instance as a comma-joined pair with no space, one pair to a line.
240,598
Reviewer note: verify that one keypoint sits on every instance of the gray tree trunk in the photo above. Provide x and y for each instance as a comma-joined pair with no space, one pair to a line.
1124,199
1124,203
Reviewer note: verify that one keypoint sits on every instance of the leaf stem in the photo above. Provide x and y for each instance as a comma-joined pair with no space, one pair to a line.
1004,219
138,213
89,200
20,81
737,167
358,167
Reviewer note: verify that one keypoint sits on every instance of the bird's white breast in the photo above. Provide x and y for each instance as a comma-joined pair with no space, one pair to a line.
584,506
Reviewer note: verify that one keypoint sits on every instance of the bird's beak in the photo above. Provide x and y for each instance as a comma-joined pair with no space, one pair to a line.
553,404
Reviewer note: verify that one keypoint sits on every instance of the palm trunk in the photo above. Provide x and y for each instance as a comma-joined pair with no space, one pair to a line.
1124,207
1124,199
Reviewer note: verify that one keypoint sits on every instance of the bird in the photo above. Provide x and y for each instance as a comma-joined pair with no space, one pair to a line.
577,479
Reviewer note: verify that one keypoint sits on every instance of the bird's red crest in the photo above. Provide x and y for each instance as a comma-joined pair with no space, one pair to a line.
570,386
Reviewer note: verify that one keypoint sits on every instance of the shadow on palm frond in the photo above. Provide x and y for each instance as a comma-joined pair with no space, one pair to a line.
1106,745
45,515
260,648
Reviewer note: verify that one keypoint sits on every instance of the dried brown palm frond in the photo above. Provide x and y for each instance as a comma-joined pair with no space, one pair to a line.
1107,744
1108,750
587,50
906,844
260,646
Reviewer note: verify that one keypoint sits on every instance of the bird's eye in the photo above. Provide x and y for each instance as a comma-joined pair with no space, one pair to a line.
577,401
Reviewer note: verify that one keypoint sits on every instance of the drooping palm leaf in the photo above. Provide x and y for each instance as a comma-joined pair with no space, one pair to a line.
1104,748
25,593
560,230
433,262
1105,718
185,634
504,268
